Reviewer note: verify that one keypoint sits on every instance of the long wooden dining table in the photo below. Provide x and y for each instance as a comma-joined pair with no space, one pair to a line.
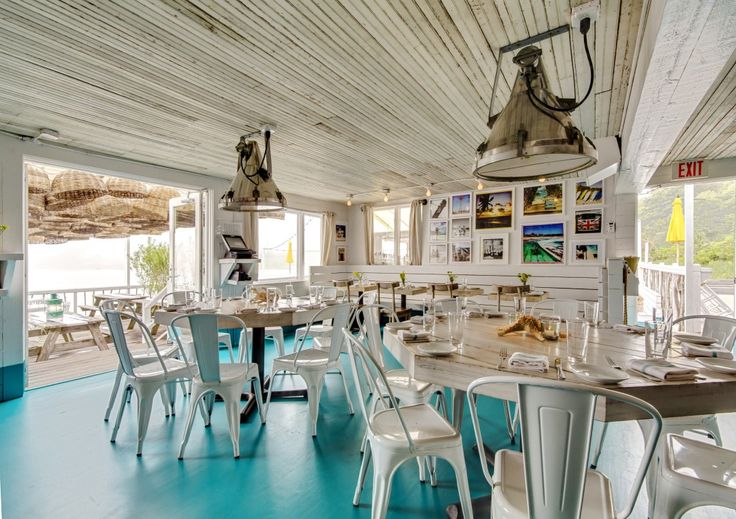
479,356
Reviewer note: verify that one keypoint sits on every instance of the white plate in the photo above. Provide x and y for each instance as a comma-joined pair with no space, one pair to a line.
401,325
598,374
720,365
417,319
438,349
695,339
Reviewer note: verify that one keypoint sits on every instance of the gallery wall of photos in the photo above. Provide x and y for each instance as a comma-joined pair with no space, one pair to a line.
554,223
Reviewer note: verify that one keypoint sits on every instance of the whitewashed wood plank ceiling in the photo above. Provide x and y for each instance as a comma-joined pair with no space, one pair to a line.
366,94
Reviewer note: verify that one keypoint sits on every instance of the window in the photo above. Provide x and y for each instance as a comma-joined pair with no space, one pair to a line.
389,246
288,245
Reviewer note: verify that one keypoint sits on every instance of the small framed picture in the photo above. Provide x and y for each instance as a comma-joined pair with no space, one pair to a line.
589,221
438,209
588,252
341,255
341,232
543,243
438,230
438,254
460,228
589,194
544,199
494,210
460,205
494,248
462,251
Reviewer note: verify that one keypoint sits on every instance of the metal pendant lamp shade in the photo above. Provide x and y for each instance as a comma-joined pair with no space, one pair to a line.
253,188
528,141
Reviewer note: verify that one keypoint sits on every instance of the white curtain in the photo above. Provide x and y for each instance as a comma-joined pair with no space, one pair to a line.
415,232
328,234
250,230
368,228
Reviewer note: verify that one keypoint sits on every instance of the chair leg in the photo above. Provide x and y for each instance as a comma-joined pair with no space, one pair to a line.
194,402
145,393
268,395
315,380
114,392
121,408
456,458
298,335
599,447
278,338
361,474
710,423
384,467
422,465
165,401
259,398
232,408
347,393
510,429
432,465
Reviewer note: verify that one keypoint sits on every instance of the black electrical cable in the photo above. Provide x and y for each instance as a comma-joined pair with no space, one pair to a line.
584,27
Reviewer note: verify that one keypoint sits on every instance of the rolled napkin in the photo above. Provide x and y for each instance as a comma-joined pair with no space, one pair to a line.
528,362
697,350
662,369
414,336
639,330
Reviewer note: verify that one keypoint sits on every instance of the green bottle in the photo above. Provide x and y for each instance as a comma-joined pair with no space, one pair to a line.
54,307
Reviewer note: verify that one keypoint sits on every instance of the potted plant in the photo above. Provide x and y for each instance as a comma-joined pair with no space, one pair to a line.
402,278
151,265
524,278
452,277
3,228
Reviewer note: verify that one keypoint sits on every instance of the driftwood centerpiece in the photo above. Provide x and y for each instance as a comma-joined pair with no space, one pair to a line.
525,323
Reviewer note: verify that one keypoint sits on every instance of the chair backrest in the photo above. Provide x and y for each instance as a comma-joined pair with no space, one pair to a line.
445,305
565,309
340,314
556,425
368,373
716,326
180,297
329,293
368,318
368,298
114,320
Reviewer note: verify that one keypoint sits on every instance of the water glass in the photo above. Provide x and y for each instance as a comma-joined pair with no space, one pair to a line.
272,298
655,339
591,313
215,298
519,306
577,340
290,293
456,324
313,294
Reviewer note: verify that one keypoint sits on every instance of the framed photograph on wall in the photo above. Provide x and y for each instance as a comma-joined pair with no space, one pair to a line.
460,205
587,252
544,199
589,221
342,255
494,210
460,228
438,230
437,254
493,248
341,232
543,243
461,251
438,209
588,195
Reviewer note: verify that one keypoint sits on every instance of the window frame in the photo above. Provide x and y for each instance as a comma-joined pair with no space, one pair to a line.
301,271
397,233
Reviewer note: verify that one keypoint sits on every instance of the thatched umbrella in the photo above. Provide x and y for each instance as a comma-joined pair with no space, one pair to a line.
125,188
77,185
38,180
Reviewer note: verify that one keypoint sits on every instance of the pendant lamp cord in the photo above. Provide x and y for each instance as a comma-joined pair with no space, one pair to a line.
584,28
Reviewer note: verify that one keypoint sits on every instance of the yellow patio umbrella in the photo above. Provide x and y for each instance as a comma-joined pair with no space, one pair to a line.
676,230
289,255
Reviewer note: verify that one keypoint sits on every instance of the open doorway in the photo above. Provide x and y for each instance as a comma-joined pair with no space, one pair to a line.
93,237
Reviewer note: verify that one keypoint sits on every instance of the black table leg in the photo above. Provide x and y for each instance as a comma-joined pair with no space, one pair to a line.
403,301
259,357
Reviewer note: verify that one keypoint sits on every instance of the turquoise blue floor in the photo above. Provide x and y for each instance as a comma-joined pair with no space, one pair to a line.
56,461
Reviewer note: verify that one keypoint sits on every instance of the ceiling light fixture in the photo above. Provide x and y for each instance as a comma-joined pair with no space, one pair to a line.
479,186
253,188
386,191
429,190
46,134
350,200
533,136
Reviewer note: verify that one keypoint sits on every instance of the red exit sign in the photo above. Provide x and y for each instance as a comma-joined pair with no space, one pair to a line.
689,170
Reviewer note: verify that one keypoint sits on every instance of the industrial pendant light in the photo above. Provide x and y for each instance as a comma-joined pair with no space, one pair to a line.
253,188
534,137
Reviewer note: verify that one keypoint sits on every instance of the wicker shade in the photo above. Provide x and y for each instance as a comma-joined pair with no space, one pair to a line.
109,207
35,239
163,193
38,181
76,185
151,208
36,204
57,205
125,188
89,227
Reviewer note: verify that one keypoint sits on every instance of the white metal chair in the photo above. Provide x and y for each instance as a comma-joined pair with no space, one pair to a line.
693,474
212,377
406,389
276,333
400,433
565,309
139,358
312,364
145,380
551,479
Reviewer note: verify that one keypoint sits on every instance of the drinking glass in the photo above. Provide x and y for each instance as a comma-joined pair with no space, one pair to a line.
551,329
290,293
215,298
519,306
577,340
313,293
272,298
456,324
591,313
655,339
